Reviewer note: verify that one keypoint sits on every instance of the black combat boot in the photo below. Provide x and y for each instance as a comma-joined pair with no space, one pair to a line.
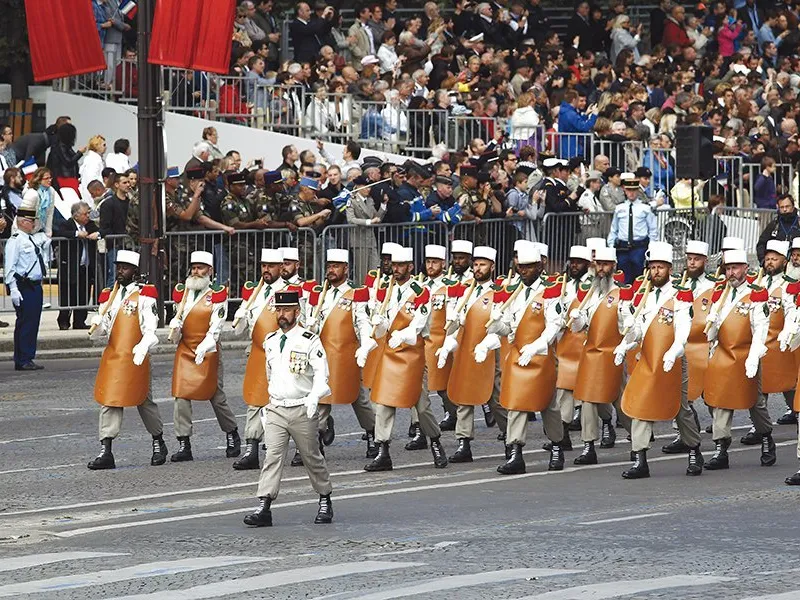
250,459
793,479
382,462
419,441
262,517
463,453
184,452
515,465
696,462
439,456
751,438
720,458
159,451
233,444
768,450
676,446
297,460
575,425
488,416
325,512
639,468
104,460
372,448
788,418
449,421
608,435
330,432
588,456
556,458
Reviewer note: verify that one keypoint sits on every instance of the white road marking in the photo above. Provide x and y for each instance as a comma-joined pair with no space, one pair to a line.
630,518
41,437
68,533
784,596
460,581
411,550
270,580
50,468
35,560
154,569
617,589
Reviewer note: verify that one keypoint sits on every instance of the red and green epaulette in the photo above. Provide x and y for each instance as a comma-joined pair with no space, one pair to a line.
371,278
104,296
626,293
553,290
149,290
177,292
219,294
308,286
619,277
361,294
314,294
684,294
583,289
758,293
247,290
456,291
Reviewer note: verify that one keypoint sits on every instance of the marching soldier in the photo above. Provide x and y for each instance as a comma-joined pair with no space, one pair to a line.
401,379
197,372
297,372
339,314
660,326
702,287
470,383
570,346
258,314
129,317
531,318
598,381
738,324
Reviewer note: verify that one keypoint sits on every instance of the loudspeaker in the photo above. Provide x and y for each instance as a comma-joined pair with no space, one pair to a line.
694,152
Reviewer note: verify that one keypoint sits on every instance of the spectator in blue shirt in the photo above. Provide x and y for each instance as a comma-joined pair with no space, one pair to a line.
572,119
764,193
442,196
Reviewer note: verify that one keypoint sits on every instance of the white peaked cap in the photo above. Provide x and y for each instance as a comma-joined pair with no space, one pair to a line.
389,248
435,251
581,252
734,257
659,251
520,243
604,253
796,243
337,255
463,246
128,257
403,255
290,253
544,250
697,247
486,252
594,243
778,246
528,254
732,243
202,257
271,256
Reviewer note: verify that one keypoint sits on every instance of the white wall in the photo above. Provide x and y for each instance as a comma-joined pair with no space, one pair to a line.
113,121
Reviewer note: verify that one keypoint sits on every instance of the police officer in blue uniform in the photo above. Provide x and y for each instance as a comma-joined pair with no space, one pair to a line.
633,227
26,259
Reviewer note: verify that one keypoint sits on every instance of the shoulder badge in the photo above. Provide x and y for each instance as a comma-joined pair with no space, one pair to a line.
361,294
793,288
308,335
751,276
637,283
583,289
637,298
314,294
501,295
273,333
416,287
371,277
552,291
551,277
104,296
788,279
422,298
177,292
149,290
308,286
456,291
247,290
219,294
293,288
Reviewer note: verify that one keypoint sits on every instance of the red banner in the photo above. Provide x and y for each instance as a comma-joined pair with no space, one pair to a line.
63,38
193,34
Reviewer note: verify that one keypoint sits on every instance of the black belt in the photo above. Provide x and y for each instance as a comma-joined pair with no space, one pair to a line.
630,245
21,279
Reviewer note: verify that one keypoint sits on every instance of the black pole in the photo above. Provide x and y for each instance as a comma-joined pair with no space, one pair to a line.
694,217
151,154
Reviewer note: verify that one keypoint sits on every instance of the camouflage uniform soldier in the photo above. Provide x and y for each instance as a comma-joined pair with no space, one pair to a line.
309,215
183,210
237,212
266,208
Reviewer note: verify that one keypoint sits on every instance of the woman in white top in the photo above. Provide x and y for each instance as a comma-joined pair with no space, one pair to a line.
387,54
120,159
524,119
318,120
92,165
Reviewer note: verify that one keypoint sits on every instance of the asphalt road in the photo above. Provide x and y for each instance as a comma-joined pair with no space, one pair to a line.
176,531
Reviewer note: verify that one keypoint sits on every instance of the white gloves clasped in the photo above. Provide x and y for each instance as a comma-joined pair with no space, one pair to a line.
404,336
450,344
489,343
537,347
208,344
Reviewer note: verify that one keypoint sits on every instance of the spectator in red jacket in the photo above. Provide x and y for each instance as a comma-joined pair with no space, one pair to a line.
126,76
674,30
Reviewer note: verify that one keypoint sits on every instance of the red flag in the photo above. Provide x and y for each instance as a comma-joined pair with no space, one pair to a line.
63,39
193,34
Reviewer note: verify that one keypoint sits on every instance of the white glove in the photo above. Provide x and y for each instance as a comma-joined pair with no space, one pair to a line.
311,324
578,321
490,342
311,406
139,354
786,335
362,353
208,344
450,344
495,326
404,336
16,297
751,366
537,347
376,320
621,351
241,320
713,329
175,326
670,356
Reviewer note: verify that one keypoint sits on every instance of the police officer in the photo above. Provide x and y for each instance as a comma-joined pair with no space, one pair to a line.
297,371
26,258
558,199
633,227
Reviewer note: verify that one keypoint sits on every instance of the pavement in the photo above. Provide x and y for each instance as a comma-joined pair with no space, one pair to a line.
176,531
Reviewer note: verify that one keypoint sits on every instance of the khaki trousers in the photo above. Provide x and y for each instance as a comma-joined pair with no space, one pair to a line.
759,415
551,419
384,416
566,404
253,429
500,413
362,407
182,413
280,423
111,418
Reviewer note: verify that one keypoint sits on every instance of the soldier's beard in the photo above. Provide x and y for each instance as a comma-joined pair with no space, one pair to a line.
792,271
197,283
604,284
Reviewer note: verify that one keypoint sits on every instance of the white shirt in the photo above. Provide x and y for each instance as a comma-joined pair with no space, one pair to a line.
266,297
512,316
759,322
420,321
219,311
358,310
299,370
148,317
682,321
118,161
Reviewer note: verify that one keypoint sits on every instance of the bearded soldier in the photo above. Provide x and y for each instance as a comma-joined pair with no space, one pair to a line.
129,317
660,326
257,314
197,369
401,379
531,319
598,381
338,312
737,334
290,272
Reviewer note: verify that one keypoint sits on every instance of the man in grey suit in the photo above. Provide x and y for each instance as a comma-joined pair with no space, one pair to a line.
361,212
112,46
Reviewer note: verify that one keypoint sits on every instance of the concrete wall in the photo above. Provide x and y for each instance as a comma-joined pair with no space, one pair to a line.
115,121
